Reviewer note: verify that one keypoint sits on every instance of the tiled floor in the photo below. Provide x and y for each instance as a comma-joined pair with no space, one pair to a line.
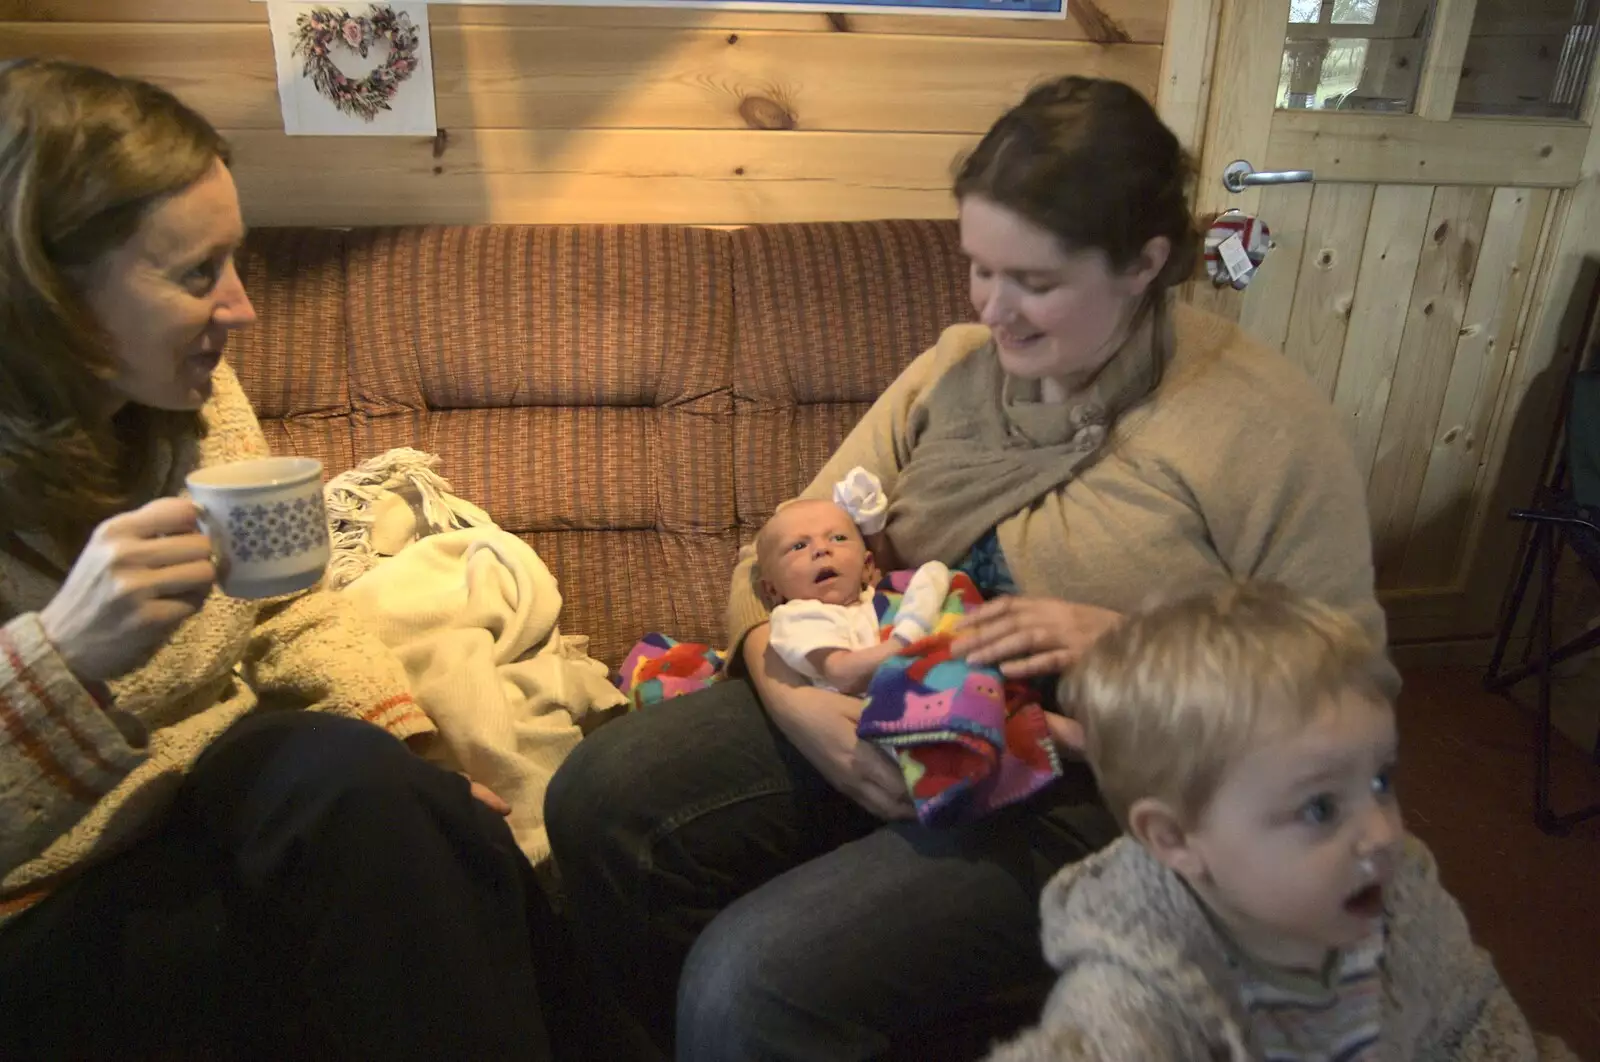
1533,900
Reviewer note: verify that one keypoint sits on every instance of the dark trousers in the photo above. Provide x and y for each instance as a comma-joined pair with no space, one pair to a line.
745,910
316,891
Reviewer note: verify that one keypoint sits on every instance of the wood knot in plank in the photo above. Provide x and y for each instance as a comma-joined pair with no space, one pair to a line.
1467,262
1441,232
759,112
1097,25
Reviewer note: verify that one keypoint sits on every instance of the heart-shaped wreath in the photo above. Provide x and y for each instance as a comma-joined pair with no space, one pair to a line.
316,33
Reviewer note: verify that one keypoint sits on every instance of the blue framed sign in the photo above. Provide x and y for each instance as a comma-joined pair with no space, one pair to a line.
1042,9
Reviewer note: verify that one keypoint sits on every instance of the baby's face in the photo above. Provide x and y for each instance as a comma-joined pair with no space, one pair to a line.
813,551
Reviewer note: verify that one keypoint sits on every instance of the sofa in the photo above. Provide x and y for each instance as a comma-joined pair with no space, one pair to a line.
633,401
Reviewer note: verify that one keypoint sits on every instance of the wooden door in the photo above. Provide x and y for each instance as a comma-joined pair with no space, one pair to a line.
1420,278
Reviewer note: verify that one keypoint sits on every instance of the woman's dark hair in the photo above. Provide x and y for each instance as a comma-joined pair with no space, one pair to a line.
84,155
1090,161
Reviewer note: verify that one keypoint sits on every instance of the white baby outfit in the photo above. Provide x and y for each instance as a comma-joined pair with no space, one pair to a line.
799,628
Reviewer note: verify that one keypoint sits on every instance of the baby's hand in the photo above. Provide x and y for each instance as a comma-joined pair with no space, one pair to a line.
923,602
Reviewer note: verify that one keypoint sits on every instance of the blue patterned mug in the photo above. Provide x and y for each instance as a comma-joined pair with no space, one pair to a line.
267,522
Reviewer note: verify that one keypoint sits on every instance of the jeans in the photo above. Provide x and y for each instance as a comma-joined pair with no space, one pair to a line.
317,891
745,910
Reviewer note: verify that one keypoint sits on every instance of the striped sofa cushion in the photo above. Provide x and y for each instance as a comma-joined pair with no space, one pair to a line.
293,362
827,315
631,400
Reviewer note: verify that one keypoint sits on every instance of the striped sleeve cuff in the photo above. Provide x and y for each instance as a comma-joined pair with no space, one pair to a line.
401,716
53,731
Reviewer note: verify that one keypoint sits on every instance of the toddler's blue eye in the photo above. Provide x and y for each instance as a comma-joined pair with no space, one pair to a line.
1319,810
1383,782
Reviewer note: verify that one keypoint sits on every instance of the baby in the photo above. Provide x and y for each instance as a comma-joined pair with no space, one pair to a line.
1265,901
817,576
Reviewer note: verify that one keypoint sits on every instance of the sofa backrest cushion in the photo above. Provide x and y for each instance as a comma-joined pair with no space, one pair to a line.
631,400
827,315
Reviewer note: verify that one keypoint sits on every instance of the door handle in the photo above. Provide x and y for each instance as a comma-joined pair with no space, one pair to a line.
1239,175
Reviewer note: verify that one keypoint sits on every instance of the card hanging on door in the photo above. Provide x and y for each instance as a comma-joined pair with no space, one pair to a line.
1236,245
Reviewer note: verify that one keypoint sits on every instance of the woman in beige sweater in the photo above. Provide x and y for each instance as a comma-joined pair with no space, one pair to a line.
745,868
214,842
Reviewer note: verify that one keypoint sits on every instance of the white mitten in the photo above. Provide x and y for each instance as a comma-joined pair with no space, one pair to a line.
922,603
861,495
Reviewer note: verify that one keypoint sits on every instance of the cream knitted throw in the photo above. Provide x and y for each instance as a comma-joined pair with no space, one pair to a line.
80,779
385,502
472,615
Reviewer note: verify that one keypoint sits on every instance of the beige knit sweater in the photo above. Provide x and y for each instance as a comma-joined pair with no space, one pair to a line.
83,773
1233,467
1144,975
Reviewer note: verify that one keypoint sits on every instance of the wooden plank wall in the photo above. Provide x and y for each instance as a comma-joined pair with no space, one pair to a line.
551,114
1403,301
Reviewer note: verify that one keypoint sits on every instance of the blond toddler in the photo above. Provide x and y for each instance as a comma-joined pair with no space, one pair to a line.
1265,901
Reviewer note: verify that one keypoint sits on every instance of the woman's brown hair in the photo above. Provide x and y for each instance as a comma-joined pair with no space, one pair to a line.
84,155
1090,161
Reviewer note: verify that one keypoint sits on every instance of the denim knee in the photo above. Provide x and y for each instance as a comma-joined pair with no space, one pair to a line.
589,792
279,775
731,995
302,750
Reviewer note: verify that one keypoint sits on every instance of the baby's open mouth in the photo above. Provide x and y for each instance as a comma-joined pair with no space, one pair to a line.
825,574
1366,902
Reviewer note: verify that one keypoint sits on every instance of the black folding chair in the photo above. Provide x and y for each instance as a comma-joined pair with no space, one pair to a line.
1565,511
1557,522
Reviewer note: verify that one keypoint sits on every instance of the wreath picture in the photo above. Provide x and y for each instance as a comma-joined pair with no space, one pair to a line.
318,32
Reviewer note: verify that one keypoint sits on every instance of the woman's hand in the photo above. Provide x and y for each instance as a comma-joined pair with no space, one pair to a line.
854,767
1028,636
822,725
141,574
489,798
1066,733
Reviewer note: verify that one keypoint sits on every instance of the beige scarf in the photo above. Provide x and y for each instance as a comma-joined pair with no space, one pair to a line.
974,463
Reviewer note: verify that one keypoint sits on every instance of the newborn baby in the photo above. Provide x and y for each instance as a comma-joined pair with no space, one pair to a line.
817,575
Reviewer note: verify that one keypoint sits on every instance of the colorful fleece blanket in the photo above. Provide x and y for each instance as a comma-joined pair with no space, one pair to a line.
967,741
658,668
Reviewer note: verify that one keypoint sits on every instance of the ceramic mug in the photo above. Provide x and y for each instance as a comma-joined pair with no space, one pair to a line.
267,522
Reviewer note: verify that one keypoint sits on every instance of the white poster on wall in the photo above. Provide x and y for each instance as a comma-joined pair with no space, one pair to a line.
361,70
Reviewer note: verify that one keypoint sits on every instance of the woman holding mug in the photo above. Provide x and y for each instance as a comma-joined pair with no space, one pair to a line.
214,841
740,863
